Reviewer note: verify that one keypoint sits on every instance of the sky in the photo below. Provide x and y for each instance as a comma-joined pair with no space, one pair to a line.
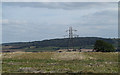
36,21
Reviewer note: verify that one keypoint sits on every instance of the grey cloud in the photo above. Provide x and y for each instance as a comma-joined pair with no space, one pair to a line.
97,23
61,5
106,17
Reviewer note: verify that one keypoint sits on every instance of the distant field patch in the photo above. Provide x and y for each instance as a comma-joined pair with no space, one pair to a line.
70,56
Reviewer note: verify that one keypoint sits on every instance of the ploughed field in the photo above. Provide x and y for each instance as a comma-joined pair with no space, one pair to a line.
64,62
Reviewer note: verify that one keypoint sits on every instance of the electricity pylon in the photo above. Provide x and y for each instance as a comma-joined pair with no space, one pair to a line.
71,38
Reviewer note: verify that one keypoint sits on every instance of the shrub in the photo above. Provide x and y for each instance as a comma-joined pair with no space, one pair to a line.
102,46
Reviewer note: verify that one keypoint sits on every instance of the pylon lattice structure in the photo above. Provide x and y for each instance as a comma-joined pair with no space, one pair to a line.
71,38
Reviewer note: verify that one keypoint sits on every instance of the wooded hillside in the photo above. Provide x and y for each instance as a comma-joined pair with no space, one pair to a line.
80,42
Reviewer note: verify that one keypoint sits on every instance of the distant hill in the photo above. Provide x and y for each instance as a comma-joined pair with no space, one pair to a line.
54,44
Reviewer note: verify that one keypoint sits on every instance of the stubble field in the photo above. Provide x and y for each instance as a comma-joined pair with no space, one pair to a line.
65,62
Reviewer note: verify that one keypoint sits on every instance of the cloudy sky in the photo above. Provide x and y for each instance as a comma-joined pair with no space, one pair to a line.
34,21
